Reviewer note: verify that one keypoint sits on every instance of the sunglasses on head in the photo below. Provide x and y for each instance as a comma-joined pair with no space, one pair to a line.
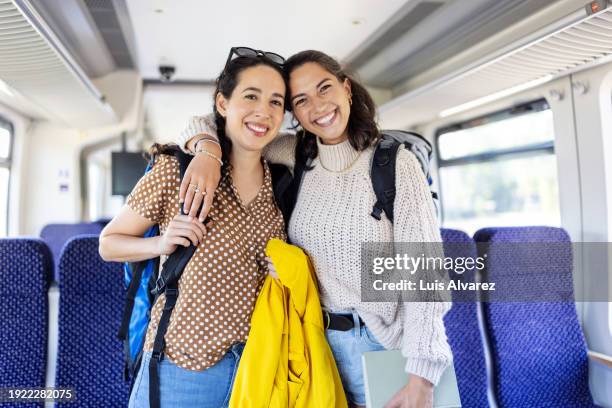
246,52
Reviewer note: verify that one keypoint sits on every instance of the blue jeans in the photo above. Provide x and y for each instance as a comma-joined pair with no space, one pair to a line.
347,347
179,387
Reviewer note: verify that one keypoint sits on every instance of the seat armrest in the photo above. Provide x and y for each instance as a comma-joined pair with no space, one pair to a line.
600,358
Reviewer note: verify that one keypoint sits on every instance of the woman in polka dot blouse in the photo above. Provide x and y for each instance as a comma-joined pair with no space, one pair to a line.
332,219
220,284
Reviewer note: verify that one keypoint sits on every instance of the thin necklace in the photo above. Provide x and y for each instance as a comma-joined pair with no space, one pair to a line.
343,170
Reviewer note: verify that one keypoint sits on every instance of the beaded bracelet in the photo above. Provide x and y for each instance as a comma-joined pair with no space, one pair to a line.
204,140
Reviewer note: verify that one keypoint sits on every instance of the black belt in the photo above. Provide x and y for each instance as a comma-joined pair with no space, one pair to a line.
341,322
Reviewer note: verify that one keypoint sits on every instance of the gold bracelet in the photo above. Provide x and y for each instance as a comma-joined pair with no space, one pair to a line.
210,141
209,154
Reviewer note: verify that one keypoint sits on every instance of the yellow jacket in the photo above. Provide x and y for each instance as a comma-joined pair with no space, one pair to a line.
286,361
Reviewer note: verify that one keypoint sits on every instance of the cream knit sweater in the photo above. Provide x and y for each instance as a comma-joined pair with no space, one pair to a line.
330,221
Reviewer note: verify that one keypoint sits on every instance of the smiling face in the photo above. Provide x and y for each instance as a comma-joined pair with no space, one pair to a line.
320,102
254,111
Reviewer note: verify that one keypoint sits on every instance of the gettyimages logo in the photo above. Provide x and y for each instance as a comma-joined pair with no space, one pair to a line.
421,262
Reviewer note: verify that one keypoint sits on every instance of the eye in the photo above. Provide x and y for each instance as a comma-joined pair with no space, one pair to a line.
299,102
277,103
325,88
252,97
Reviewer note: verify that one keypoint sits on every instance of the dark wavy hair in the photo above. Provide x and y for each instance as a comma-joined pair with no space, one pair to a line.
226,83
362,128
156,149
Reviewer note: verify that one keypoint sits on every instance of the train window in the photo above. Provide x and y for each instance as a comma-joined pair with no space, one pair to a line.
499,170
6,139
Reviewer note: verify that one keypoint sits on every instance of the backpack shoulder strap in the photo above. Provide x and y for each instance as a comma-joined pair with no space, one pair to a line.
281,182
291,194
383,177
167,283
176,262
183,159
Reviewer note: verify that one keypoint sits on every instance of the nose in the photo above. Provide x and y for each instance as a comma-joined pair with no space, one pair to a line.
263,110
320,104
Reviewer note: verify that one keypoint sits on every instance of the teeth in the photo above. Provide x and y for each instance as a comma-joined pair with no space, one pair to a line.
325,120
257,128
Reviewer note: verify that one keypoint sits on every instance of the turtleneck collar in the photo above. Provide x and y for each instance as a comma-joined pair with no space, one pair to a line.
337,157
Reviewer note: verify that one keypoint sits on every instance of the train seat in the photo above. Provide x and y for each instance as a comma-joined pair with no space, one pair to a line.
90,357
538,348
56,236
25,273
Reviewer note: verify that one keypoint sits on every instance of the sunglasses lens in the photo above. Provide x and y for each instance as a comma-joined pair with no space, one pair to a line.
245,52
277,59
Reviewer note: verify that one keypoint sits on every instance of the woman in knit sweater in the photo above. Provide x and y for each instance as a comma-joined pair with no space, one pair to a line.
331,220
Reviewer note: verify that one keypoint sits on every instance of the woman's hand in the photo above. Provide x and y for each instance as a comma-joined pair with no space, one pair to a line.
418,393
203,172
182,230
271,269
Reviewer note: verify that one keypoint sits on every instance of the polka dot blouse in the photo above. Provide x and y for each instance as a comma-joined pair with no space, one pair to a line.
220,284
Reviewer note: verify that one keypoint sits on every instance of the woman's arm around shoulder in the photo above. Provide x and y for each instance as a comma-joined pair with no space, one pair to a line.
280,150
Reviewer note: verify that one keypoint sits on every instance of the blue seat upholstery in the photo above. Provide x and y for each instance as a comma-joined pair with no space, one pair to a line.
462,328
539,351
56,236
90,357
102,221
25,273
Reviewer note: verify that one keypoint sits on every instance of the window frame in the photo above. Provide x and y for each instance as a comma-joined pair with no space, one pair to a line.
7,163
536,149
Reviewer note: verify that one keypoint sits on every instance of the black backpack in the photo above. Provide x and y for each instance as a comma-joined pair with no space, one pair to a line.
382,172
164,281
